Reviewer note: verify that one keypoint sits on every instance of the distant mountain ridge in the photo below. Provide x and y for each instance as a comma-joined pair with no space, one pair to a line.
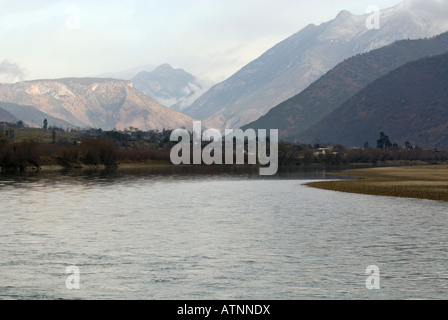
124,74
410,104
296,115
173,88
98,103
292,65
33,117
5,116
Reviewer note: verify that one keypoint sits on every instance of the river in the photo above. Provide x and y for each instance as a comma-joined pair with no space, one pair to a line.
201,233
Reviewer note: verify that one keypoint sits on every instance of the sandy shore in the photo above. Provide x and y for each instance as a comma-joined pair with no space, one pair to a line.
422,182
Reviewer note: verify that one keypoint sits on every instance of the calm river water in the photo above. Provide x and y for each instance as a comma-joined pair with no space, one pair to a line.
199,233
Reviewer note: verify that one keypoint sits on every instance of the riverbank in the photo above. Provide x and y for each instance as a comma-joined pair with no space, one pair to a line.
54,167
420,182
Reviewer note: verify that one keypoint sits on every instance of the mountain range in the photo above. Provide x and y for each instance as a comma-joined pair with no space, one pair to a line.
88,102
292,65
294,116
339,82
127,74
410,104
173,88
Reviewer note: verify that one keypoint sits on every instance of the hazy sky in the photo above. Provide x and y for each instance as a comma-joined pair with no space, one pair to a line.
210,38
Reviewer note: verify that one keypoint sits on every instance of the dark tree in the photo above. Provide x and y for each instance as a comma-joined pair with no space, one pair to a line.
45,124
383,142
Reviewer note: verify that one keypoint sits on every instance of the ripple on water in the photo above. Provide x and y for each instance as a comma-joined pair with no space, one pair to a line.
215,237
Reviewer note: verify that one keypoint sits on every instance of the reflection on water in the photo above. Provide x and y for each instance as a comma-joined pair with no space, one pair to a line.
213,233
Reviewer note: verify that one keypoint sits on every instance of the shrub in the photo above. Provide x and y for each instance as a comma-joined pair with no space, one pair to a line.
98,151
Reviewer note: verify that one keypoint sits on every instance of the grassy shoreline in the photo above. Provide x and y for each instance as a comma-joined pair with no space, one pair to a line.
420,182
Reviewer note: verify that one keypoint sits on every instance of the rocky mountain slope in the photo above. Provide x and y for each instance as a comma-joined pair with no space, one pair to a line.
296,115
96,103
173,88
292,65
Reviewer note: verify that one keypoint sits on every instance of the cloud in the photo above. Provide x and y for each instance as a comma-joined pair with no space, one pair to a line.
210,38
437,9
10,72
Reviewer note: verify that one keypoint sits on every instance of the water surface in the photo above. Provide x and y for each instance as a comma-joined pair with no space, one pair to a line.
203,233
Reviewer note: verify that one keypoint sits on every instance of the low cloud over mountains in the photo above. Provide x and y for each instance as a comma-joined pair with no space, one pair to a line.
11,72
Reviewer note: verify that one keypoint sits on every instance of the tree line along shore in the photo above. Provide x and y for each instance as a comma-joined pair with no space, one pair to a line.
22,148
